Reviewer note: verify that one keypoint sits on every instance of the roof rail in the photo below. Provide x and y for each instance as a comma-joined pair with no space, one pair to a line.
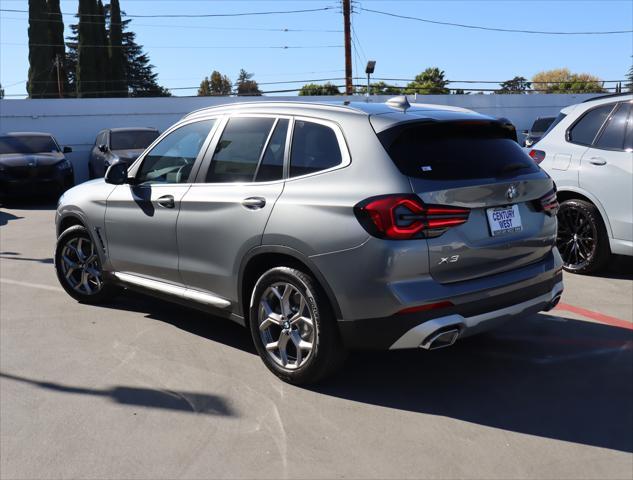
610,95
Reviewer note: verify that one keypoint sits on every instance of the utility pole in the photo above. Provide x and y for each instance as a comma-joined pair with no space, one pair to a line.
59,76
347,12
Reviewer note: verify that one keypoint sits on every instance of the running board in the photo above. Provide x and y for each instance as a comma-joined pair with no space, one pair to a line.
169,289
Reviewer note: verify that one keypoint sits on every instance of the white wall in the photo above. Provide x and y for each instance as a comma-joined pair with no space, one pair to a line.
75,122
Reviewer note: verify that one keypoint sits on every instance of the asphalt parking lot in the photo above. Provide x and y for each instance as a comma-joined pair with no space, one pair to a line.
144,389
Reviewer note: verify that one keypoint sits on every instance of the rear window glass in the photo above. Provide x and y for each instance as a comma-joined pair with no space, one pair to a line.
131,139
460,150
314,148
27,144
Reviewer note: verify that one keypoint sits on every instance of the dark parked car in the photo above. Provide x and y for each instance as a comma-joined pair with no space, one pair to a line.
33,163
118,145
539,127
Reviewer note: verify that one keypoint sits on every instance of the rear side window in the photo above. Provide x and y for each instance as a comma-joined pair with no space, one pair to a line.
238,152
585,130
612,137
455,151
314,148
272,164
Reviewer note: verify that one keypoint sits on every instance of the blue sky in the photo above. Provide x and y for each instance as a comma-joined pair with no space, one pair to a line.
184,50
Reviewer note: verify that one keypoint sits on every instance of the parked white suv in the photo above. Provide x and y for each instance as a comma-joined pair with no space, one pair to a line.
588,151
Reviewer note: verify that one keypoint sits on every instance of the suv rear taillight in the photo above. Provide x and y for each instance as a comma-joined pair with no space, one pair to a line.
537,155
403,217
548,203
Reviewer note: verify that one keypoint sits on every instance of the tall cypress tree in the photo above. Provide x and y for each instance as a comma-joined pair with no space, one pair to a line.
40,64
58,51
86,76
118,77
100,52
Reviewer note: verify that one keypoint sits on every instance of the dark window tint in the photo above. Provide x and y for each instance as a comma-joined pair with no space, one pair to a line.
455,150
132,139
171,160
314,148
585,130
542,124
238,152
27,144
628,137
272,165
101,139
556,121
612,137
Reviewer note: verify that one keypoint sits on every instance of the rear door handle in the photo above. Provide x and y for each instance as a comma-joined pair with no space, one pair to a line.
253,203
597,161
166,201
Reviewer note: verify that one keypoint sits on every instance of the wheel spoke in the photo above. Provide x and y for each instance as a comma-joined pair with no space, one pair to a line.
299,342
68,262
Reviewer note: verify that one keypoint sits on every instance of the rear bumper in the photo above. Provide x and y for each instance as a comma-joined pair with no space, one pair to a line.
471,313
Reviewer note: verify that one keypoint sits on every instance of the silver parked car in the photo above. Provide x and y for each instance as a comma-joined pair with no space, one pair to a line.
323,227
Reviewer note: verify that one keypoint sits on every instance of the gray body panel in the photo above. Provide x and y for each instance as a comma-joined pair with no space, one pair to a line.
205,242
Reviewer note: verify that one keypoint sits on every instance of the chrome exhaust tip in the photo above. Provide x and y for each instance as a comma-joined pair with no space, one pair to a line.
441,339
553,303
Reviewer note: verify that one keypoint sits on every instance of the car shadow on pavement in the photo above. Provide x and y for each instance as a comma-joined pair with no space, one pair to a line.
199,403
18,256
30,203
550,377
620,267
6,217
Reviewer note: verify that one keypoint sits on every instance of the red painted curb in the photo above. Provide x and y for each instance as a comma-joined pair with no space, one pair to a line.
598,317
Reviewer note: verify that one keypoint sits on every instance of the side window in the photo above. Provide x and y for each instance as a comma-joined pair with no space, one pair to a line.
272,164
238,152
612,137
314,148
628,137
100,139
584,131
172,159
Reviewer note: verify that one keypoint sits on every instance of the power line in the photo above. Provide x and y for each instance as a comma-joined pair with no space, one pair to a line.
492,29
186,15
230,47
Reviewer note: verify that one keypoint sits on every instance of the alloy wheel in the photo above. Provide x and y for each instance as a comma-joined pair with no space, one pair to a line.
80,266
286,325
577,236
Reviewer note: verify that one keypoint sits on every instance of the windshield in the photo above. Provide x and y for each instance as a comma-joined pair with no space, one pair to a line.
542,124
455,151
27,144
132,139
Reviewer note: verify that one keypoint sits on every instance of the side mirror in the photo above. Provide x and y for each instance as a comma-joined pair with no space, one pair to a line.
116,174
525,132
103,148
67,149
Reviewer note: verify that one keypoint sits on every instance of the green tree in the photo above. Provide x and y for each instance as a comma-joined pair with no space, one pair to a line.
58,51
429,82
380,88
216,85
310,89
40,54
561,80
87,76
116,57
518,85
245,86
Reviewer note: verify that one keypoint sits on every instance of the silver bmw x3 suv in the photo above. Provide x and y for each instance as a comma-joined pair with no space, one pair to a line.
323,227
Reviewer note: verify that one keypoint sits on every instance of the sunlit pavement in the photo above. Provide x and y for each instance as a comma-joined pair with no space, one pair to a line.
145,389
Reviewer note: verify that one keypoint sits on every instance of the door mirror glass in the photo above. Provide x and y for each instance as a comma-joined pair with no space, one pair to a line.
117,174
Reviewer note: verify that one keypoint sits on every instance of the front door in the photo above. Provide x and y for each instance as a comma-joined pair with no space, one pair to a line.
141,217
224,215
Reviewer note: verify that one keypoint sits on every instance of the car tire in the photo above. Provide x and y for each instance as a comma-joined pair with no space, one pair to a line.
582,237
78,267
293,327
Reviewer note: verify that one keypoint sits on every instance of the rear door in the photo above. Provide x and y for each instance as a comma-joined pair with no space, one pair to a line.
476,165
225,212
607,170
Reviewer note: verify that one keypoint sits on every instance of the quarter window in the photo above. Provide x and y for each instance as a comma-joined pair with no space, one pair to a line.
612,137
314,148
272,164
585,130
172,159
239,150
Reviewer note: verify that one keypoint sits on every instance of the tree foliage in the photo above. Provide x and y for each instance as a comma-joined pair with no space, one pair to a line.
58,52
117,85
216,85
430,81
380,88
40,54
517,85
310,89
562,80
245,86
